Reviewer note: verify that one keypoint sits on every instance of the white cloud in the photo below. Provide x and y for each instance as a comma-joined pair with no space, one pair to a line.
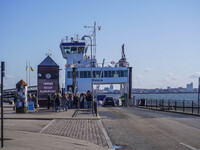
148,69
195,75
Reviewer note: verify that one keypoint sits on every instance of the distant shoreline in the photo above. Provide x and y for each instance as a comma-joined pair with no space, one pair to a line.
157,93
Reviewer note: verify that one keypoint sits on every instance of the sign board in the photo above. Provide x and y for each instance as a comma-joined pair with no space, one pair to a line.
47,86
30,106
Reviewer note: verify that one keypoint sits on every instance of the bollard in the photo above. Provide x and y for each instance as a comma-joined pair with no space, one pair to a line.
95,107
192,106
175,106
162,104
183,106
168,104
156,103
146,102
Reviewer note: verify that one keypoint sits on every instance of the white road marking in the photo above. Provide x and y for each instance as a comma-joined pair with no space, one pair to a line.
47,126
110,146
188,146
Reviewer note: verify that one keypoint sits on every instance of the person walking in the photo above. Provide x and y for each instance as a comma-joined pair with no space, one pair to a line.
58,102
54,102
34,99
48,101
76,100
89,99
70,97
84,101
81,101
64,102
123,101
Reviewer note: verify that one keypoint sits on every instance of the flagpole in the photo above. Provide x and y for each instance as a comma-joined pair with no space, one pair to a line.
29,73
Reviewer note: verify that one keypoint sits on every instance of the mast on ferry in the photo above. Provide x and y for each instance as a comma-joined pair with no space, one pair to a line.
94,36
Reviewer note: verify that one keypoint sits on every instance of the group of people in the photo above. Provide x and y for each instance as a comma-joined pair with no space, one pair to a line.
69,101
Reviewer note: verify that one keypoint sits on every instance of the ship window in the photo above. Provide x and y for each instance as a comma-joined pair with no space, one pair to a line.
126,73
77,75
81,74
69,74
96,74
74,50
85,74
80,50
67,50
109,74
89,74
105,73
122,73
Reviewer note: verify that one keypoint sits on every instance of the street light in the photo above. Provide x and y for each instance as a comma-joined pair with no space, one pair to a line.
83,38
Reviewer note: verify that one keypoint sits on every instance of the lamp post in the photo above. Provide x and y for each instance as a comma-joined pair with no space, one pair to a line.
83,38
2,76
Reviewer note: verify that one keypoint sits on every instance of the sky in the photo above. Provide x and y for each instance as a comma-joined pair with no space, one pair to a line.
161,37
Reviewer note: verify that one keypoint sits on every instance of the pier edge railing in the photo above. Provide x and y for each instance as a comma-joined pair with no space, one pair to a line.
180,106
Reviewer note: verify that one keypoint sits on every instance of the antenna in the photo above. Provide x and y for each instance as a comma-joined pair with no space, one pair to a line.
94,36
66,38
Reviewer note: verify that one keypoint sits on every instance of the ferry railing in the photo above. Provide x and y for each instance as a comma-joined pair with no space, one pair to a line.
180,106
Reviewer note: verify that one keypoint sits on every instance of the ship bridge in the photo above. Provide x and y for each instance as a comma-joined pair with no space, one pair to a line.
75,53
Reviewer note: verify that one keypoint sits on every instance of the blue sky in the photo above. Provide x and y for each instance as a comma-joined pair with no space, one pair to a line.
161,37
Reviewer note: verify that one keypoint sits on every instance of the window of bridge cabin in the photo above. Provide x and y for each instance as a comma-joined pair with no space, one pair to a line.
73,50
126,73
80,50
67,50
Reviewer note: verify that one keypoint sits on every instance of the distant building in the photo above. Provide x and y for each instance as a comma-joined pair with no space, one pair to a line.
181,89
169,89
189,87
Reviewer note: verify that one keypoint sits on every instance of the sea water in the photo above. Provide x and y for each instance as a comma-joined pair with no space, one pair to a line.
170,96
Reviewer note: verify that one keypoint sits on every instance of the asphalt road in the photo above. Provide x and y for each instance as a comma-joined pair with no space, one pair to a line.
139,129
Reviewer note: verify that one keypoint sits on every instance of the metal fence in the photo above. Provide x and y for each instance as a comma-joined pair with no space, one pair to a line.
183,106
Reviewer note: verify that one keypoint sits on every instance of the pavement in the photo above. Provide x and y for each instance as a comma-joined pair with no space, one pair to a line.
143,129
45,129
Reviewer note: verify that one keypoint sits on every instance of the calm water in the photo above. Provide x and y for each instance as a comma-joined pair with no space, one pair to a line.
180,96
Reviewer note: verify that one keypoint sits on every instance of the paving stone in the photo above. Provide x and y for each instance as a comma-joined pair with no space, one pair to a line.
86,129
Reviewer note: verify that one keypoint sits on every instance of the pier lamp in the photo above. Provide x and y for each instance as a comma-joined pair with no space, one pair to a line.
83,38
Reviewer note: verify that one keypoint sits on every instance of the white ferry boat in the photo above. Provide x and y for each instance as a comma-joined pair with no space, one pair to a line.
82,71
